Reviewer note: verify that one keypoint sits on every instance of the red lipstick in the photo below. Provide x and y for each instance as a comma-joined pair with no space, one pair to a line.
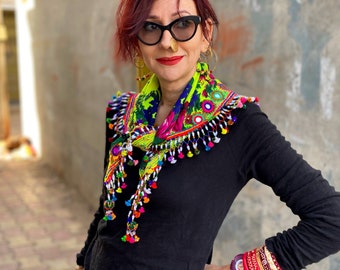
169,61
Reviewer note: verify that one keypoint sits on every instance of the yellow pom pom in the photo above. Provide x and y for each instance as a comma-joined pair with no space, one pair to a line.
224,131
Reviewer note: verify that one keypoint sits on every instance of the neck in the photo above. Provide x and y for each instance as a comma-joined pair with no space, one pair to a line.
167,102
171,90
170,96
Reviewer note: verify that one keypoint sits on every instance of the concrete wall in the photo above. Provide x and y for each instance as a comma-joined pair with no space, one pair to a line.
284,51
73,78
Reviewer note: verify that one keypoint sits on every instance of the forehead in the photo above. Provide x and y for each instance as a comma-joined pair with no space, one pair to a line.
163,8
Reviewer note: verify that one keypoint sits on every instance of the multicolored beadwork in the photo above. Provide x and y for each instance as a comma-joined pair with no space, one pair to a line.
201,114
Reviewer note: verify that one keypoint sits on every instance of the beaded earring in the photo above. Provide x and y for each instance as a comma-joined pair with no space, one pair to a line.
138,62
143,73
209,57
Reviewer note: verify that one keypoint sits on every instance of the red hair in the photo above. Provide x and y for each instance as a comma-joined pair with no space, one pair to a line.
130,18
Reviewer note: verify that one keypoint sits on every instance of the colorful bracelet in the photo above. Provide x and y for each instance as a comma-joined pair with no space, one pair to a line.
271,258
256,259
237,262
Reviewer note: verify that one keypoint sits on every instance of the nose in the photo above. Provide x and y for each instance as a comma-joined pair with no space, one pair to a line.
166,39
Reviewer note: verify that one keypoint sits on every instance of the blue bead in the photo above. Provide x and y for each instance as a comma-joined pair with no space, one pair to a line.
128,203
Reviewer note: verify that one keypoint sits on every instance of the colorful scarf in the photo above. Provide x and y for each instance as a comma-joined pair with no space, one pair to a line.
201,114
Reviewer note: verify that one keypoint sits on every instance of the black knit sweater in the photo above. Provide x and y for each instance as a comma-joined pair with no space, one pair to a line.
194,195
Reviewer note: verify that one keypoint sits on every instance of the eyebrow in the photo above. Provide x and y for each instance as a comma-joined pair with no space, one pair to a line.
173,14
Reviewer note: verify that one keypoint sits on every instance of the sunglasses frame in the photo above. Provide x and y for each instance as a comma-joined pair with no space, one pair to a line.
196,19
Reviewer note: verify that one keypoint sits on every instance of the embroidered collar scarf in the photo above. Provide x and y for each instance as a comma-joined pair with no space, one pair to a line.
201,114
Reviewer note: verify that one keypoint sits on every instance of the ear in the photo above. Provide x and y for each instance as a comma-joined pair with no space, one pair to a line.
137,51
207,35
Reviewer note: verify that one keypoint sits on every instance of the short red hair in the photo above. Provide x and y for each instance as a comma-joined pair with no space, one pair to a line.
130,18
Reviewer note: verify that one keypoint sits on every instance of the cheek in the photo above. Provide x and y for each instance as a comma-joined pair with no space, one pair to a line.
146,55
198,47
201,43
144,50
149,62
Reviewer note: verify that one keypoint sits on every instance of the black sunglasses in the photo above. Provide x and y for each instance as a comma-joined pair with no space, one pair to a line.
181,29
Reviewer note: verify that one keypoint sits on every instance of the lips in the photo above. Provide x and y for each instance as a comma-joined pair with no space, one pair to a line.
170,61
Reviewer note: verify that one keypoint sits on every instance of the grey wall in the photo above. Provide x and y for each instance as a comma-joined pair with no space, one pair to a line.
75,77
286,52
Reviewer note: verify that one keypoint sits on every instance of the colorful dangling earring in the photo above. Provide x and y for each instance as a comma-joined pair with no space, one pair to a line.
143,78
143,73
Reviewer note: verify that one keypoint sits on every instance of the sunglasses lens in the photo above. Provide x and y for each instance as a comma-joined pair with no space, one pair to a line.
184,29
150,33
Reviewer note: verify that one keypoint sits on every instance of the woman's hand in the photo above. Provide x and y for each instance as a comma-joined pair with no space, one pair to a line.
216,267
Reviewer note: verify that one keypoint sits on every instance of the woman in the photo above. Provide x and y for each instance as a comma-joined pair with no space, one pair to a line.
179,152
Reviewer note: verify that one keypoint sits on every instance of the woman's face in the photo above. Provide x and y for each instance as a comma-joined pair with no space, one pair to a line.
171,66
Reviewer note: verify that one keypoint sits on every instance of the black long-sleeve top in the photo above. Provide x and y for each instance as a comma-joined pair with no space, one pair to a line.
194,195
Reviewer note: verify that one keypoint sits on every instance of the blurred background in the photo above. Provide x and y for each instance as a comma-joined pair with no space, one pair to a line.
57,74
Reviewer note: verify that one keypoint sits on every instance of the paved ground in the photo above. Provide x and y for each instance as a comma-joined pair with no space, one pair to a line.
43,222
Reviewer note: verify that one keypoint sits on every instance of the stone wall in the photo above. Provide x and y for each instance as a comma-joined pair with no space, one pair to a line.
284,51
